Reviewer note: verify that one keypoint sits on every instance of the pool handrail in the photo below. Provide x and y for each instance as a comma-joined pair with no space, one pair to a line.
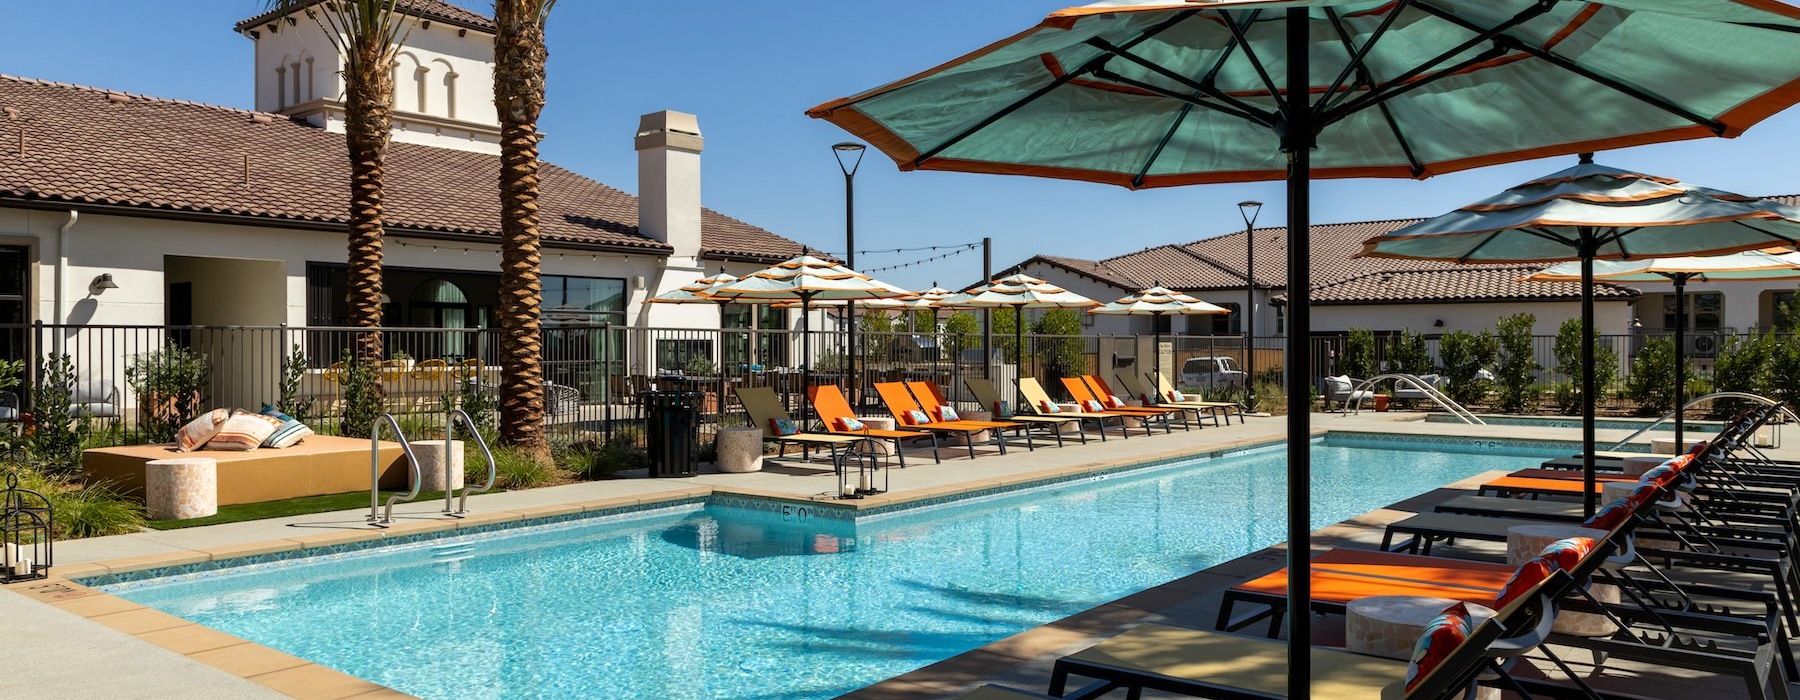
1424,387
462,508
383,519
1666,417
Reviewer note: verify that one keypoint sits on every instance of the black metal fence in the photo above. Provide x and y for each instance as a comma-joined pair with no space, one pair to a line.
125,381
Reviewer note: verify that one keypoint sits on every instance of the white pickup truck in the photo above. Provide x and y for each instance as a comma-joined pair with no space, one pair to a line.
1211,373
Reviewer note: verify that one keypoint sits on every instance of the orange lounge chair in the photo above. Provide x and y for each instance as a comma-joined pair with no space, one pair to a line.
830,405
1079,390
899,401
1105,391
764,408
1036,401
930,399
1526,486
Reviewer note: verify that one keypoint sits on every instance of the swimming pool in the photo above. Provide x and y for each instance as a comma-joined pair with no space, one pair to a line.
1706,427
716,601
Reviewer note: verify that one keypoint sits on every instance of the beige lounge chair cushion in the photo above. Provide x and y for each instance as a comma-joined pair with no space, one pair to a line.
1243,662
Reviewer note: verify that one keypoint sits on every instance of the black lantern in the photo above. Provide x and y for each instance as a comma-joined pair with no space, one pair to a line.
25,518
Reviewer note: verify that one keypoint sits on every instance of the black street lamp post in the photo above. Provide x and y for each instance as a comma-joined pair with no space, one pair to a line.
849,156
1249,209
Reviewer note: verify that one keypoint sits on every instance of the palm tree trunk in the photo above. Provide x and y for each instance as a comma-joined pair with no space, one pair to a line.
368,119
519,57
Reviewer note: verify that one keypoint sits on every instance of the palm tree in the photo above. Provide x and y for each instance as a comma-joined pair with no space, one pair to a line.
519,57
367,34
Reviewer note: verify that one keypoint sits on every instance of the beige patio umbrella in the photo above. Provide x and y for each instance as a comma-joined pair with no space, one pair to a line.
1155,301
1018,292
1749,265
806,279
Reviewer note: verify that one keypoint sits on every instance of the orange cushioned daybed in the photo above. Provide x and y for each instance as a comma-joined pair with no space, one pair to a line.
321,465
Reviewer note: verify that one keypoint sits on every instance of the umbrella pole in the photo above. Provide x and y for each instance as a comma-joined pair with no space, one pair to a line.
806,351
1587,375
1680,359
1298,140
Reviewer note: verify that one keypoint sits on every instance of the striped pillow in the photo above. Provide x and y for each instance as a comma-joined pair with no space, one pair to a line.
1050,407
197,432
1114,401
947,414
243,432
850,425
289,434
1093,406
916,417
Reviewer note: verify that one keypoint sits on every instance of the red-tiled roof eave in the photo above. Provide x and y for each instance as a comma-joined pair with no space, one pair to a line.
1073,265
434,10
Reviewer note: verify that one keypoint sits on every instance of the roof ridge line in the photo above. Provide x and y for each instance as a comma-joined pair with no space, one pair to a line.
142,96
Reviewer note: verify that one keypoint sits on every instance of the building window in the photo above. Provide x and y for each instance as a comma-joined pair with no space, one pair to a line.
1781,311
281,87
770,350
1705,311
1280,320
311,92
296,67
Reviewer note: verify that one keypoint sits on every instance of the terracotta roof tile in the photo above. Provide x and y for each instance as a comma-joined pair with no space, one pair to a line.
437,10
91,146
1465,283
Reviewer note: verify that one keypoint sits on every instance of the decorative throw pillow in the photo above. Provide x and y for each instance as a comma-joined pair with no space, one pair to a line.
1177,396
947,414
274,412
1442,636
243,432
1613,515
1659,475
1093,406
198,431
850,425
916,417
1524,579
1002,410
288,435
1049,407
783,427
1114,401
1567,552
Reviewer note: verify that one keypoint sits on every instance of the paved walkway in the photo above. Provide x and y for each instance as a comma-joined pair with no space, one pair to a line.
121,650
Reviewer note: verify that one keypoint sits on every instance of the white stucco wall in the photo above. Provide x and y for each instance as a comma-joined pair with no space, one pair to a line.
1613,317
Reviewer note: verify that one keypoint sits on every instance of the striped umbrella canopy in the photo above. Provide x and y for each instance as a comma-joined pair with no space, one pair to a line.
1156,93
1158,301
1018,292
1749,265
696,292
1592,211
806,278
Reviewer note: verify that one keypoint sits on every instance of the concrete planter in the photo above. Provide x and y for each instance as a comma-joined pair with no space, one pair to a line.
740,450
431,464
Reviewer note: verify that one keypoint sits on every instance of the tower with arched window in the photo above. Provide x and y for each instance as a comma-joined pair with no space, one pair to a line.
443,76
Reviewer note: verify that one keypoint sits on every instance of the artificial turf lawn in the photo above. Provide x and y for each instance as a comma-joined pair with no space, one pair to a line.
292,506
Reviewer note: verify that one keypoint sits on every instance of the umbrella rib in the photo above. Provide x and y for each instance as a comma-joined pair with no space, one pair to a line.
1367,77
1186,109
1037,94
1399,84
1237,34
1552,236
1478,246
1514,43
1770,234
1197,87
1358,55
1171,94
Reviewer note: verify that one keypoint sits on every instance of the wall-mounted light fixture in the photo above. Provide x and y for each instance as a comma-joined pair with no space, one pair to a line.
1438,323
102,283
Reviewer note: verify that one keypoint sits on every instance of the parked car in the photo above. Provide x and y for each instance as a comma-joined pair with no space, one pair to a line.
1211,373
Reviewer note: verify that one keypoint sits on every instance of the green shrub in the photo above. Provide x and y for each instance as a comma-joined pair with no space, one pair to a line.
961,330
593,460
1408,353
517,469
82,510
1463,354
1652,382
293,370
362,396
169,385
1063,353
1516,371
1567,349
1743,365
1358,358
55,442
1783,379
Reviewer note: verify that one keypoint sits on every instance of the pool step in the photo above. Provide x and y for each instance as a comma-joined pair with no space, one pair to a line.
452,552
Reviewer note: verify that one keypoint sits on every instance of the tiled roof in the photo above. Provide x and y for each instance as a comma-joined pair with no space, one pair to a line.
1464,283
437,10
1174,267
89,146
1086,267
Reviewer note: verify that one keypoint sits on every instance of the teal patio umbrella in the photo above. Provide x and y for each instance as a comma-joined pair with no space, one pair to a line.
1590,212
1748,265
1155,93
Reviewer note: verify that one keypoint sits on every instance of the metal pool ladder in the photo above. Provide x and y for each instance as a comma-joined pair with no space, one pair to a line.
462,506
377,517
1431,392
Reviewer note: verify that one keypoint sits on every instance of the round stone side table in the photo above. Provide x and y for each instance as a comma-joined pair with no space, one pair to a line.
740,450
181,489
431,464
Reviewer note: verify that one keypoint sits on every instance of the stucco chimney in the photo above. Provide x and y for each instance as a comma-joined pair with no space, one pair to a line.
668,146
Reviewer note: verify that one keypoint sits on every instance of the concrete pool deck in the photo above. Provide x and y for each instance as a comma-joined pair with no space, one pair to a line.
94,645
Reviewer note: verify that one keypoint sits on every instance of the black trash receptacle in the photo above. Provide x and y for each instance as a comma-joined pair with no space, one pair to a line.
672,431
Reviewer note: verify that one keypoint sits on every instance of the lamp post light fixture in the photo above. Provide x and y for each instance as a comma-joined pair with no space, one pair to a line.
849,156
1249,209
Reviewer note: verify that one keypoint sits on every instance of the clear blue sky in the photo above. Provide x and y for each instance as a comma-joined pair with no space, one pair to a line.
750,70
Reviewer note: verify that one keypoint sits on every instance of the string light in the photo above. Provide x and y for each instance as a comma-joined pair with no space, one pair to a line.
958,251
907,250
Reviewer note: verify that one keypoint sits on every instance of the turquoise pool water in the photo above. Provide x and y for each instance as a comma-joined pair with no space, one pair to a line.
726,602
